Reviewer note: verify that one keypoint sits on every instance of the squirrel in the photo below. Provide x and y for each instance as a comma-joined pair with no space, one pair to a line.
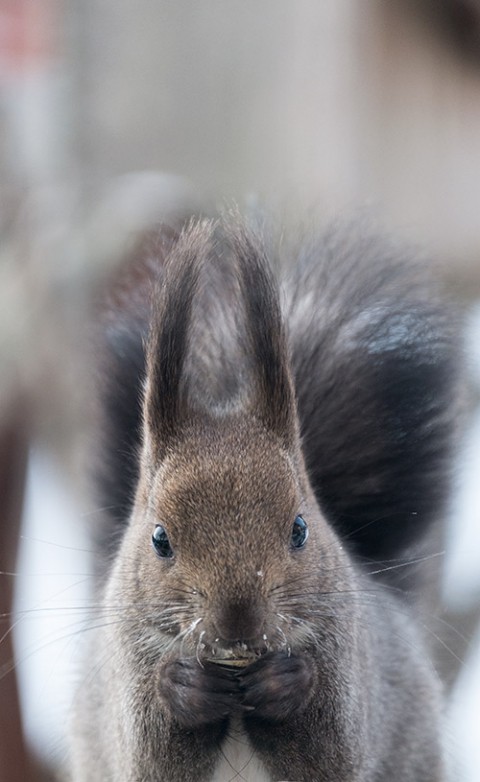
276,460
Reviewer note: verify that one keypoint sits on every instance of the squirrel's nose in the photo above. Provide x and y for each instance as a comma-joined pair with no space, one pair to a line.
239,620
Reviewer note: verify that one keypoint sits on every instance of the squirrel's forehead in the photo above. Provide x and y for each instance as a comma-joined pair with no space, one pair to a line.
225,485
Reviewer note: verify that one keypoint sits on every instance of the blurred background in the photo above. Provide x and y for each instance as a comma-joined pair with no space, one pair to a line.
113,114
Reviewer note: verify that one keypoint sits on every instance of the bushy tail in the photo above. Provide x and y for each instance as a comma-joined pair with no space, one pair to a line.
376,360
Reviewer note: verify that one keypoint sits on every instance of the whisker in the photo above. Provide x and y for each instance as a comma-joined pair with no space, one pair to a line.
198,648
31,539
7,667
403,564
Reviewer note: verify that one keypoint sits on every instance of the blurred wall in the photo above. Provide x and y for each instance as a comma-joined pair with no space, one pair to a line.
334,103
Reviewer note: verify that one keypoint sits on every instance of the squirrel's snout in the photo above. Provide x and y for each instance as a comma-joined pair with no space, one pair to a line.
239,621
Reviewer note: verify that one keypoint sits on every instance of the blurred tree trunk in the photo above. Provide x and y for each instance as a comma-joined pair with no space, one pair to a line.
14,765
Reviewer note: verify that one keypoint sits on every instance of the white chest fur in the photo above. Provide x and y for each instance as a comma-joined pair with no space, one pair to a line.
238,761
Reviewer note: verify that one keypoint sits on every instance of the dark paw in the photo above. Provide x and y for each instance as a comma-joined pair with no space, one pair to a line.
277,687
199,695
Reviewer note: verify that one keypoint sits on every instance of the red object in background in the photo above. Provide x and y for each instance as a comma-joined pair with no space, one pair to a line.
26,34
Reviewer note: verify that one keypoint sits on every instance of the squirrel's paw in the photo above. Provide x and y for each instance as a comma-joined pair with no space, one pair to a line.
277,686
198,695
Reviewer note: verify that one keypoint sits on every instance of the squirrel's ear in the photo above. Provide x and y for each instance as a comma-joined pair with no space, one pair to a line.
165,403
273,396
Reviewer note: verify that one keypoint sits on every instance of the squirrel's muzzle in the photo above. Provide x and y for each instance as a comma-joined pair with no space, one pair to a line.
239,621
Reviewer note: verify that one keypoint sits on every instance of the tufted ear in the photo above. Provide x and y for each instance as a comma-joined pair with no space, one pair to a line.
273,399
165,403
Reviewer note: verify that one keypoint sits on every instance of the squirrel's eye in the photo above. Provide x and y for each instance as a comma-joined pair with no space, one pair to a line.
161,543
299,533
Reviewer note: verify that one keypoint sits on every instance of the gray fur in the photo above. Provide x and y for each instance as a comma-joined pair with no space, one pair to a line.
245,427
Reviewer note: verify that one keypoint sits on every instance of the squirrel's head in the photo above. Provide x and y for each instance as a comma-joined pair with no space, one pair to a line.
226,540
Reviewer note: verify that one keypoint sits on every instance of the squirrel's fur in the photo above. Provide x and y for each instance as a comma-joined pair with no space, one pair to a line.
230,411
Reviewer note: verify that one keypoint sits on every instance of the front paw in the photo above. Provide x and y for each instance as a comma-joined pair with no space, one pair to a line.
277,686
198,695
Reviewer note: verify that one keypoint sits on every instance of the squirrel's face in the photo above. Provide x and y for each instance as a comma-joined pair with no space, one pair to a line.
226,550
226,542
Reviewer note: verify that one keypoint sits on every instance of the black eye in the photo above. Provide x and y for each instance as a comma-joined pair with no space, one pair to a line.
161,543
299,533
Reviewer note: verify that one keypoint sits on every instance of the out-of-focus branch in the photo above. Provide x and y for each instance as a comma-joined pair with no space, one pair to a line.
14,765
